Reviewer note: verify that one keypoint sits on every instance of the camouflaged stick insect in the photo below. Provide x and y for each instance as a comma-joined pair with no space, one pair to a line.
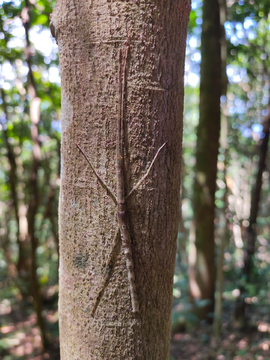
122,234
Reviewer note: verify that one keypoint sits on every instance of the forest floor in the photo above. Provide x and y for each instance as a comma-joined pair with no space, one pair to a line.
20,337
19,334
200,344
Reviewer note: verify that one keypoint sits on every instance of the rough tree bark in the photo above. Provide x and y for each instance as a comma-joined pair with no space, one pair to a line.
202,273
89,36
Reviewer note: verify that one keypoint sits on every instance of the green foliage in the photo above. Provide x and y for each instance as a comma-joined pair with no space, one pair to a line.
245,108
16,149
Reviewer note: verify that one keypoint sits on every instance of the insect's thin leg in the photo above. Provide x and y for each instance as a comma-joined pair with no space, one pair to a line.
116,248
147,172
102,182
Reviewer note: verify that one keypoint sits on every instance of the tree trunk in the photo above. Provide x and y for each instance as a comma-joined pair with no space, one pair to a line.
255,202
241,319
223,230
202,283
33,179
152,36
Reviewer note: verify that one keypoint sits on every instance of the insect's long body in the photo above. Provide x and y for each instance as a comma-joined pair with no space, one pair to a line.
127,249
122,231
121,195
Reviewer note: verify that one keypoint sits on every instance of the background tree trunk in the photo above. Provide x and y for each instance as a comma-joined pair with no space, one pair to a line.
241,318
34,196
202,280
89,36
222,234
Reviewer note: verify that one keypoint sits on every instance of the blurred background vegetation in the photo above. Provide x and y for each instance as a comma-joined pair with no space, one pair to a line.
30,178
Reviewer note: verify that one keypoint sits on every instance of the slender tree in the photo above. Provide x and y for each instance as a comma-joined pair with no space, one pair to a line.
122,67
202,271
251,232
223,231
255,200
34,196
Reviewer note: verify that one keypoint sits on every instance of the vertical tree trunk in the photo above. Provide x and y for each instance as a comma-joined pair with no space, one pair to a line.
255,201
251,233
33,180
203,282
89,36
223,231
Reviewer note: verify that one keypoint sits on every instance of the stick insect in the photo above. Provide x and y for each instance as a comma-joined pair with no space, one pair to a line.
122,234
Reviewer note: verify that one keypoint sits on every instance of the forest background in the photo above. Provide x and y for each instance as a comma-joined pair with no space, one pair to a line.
30,178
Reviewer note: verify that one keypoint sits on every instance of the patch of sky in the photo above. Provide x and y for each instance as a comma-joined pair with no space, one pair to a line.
42,40
257,128
252,35
196,56
56,125
196,4
246,132
54,75
231,110
248,23
234,40
23,71
18,32
239,102
6,86
233,74
45,75
223,99
240,34
7,72
192,79
14,3
240,110
239,26
197,30
193,42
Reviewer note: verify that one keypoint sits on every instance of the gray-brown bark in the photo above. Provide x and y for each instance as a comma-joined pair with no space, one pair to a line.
89,36
202,273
